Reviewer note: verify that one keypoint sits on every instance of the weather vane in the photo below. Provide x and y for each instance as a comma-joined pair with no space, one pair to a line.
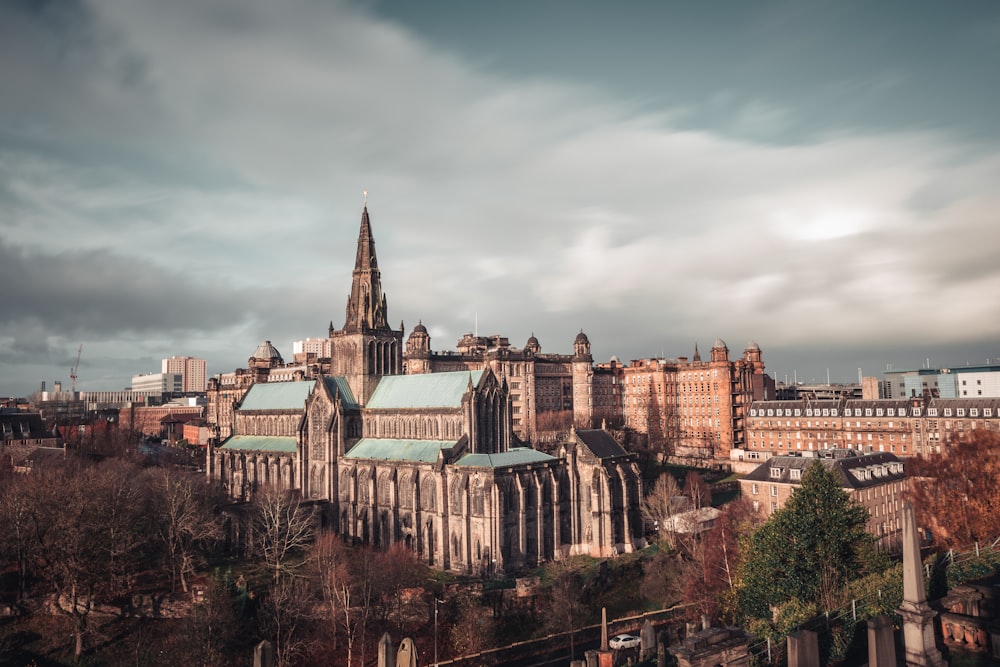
364,197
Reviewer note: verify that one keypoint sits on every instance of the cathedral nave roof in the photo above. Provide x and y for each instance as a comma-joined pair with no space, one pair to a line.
260,443
277,395
431,390
514,457
395,449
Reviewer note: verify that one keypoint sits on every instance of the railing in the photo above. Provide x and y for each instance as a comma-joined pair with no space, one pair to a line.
838,625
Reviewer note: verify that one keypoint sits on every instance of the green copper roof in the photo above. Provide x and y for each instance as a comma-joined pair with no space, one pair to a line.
431,390
515,457
277,395
391,449
337,383
260,443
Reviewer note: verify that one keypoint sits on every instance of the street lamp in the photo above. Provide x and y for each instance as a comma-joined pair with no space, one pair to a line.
436,601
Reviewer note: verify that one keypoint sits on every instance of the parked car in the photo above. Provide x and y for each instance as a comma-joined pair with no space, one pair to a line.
624,641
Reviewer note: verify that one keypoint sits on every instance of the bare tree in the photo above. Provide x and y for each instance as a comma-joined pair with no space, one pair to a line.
697,491
283,526
89,527
185,521
283,616
346,584
660,504
17,541
565,608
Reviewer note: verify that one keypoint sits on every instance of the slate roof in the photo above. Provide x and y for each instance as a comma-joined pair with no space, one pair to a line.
514,457
338,383
261,443
393,449
601,443
277,396
849,469
431,390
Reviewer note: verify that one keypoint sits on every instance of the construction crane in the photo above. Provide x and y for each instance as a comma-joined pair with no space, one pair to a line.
72,371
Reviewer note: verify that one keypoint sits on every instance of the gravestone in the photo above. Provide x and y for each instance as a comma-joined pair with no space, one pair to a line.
386,656
881,643
803,649
647,637
263,654
406,656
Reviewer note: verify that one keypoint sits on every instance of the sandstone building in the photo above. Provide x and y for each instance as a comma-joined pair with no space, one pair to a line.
875,480
429,458
904,427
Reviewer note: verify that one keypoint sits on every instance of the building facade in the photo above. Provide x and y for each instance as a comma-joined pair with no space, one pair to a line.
903,427
876,480
193,372
698,408
429,458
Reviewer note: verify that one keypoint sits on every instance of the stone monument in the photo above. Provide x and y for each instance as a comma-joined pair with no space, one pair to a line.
919,647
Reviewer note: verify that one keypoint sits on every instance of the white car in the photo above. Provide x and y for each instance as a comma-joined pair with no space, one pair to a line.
624,641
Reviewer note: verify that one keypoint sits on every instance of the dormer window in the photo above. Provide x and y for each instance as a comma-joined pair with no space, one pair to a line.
776,472
795,473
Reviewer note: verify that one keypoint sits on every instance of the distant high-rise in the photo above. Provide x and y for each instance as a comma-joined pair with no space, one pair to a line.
193,372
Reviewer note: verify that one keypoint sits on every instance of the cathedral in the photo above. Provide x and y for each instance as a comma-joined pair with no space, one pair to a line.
429,458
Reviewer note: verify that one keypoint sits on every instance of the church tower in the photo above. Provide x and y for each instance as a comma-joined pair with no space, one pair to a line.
367,347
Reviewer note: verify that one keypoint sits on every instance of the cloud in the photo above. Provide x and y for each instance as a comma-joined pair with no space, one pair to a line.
195,171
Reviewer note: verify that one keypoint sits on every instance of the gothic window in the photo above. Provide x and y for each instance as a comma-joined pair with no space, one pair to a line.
428,494
364,493
404,487
384,489
477,498
458,487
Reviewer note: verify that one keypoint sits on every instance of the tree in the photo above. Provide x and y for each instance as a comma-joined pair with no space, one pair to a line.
954,493
660,504
398,570
91,534
474,629
283,526
565,608
283,616
711,585
345,581
184,519
807,550
696,491
17,541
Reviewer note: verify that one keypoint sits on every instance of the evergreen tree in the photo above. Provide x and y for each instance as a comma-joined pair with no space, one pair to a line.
808,550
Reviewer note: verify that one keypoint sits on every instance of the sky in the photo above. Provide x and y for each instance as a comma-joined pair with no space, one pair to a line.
186,178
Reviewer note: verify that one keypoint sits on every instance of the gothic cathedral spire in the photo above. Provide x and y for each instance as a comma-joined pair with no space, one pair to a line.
366,307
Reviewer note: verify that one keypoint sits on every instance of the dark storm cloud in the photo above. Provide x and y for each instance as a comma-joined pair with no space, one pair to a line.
189,175
96,293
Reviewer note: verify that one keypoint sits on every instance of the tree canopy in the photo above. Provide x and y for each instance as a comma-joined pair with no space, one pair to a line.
954,492
807,550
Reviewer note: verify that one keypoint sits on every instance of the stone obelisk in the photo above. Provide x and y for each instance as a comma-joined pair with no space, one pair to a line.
919,647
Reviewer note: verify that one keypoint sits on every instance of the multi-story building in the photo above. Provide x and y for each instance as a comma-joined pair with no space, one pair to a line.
698,406
193,372
310,350
158,383
875,480
958,382
904,427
